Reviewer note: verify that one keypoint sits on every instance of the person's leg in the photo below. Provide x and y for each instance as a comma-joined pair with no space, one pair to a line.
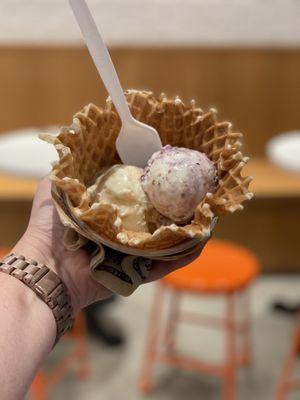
102,327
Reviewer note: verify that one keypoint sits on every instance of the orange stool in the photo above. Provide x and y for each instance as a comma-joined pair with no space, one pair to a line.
223,269
286,382
4,252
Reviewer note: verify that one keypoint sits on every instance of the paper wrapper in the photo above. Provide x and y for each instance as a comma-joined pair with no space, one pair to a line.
88,145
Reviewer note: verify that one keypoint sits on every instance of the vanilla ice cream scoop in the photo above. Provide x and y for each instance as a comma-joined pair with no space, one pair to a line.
121,186
176,180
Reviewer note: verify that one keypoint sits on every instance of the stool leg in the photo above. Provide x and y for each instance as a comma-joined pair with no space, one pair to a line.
170,334
230,362
289,366
247,344
145,382
38,389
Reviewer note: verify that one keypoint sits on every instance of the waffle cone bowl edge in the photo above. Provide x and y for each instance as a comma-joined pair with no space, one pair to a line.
88,146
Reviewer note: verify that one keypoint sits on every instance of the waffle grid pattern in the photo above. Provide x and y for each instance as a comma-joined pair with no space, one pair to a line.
89,145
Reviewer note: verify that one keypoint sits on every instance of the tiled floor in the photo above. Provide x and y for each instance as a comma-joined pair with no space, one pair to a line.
115,372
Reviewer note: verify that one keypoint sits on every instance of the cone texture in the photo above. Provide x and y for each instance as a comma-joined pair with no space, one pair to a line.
88,145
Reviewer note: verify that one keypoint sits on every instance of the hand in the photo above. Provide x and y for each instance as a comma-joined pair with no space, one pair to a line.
43,241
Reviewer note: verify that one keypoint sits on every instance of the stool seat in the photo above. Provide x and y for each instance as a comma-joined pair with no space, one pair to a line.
222,267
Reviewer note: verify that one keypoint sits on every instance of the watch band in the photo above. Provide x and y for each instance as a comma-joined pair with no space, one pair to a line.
46,284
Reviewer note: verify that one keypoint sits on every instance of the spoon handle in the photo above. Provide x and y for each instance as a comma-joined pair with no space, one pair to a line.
101,57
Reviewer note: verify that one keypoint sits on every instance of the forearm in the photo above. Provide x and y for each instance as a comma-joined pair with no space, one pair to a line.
28,333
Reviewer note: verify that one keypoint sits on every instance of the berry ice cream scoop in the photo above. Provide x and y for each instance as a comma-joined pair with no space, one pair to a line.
176,180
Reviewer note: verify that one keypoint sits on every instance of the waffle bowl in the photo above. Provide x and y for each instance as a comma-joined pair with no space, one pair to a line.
88,146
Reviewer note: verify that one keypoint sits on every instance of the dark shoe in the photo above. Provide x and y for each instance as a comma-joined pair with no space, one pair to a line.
103,328
285,307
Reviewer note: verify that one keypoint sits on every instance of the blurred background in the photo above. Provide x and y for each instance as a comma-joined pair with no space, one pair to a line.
241,57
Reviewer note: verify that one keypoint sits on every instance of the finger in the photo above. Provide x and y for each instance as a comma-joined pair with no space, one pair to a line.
44,188
43,193
42,207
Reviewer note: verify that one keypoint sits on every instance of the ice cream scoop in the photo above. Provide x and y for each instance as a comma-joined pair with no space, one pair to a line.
121,186
176,180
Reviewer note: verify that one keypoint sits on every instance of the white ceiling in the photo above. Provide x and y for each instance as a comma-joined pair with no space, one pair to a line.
147,22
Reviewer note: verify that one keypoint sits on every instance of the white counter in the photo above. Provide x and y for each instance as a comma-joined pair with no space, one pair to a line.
271,23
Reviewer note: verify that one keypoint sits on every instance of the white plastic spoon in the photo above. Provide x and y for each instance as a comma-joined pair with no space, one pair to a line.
137,141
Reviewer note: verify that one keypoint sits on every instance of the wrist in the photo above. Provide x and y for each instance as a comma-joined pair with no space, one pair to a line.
19,299
46,246
34,246
28,333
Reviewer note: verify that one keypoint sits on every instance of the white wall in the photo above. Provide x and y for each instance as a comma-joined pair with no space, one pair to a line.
201,22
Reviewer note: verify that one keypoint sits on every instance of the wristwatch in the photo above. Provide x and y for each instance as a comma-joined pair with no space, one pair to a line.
46,284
